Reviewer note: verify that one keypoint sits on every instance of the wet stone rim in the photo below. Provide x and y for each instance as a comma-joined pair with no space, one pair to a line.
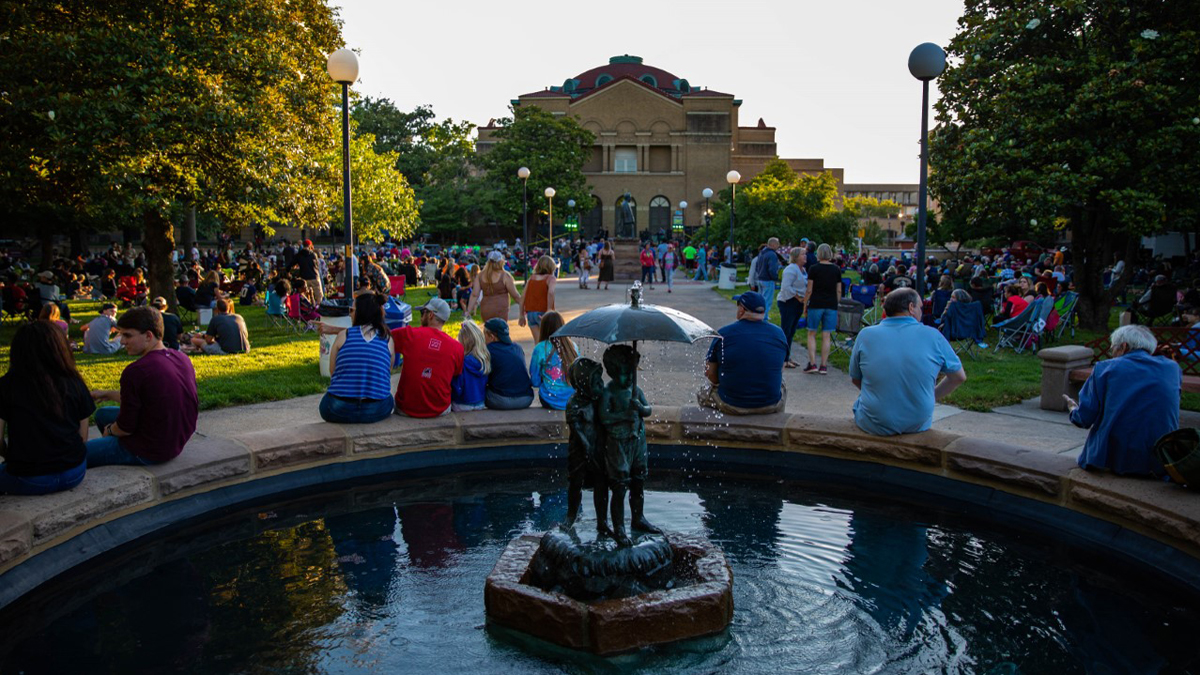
40,537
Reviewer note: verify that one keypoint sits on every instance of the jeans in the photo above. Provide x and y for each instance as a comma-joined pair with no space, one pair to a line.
344,411
41,485
647,274
767,289
701,272
495,401
669,273
789,315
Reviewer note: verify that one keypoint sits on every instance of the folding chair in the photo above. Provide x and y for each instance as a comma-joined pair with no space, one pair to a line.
1066,311
185,303
849,324
846,284
964,327
397,283
867,294
276,313
1014,331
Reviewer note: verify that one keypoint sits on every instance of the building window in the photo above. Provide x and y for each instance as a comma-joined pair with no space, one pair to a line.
603,79
660,214
649,79
625,160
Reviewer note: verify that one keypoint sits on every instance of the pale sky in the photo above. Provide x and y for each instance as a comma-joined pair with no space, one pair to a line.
831,76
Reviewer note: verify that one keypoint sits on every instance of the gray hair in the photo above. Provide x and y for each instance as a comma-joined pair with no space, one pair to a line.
959,295
795,253
1135,337
824,252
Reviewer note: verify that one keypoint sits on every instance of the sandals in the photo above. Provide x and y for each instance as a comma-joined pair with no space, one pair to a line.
790,364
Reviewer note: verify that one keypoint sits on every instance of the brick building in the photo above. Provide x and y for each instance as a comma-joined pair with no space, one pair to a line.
659,138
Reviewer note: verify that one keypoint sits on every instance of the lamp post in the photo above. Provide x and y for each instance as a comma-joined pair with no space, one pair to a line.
343,68
683,216
523,174
732,178
708,193
550,200
926,62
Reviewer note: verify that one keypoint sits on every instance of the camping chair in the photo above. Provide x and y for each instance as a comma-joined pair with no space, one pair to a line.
940,299
964,328
849,324
1066,311
397,282
276,311
1015,331
846,284
867,294
185,303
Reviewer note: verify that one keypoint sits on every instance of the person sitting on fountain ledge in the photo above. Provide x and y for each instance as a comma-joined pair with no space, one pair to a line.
745,366
895,365
622,407
508,386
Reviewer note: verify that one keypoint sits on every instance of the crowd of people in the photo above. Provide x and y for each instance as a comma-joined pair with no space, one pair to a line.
45,406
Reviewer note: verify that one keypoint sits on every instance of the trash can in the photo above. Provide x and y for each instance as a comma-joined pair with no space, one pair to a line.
430,273
727,277
332,314
203,316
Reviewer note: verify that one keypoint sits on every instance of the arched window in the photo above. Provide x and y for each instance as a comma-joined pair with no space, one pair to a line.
603,79
649,79
592,220
660,214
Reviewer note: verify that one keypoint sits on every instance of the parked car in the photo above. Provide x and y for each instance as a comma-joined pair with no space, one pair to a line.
1022,249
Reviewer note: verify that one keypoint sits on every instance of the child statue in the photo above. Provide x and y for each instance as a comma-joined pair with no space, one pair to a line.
585,450
622,407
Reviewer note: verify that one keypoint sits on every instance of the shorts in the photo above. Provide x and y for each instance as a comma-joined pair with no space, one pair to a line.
621,467
533,318
824,320
214,348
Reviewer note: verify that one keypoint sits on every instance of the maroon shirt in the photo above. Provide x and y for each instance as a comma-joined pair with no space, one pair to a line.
158,405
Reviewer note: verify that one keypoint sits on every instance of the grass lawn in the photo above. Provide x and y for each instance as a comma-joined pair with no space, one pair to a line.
280,364
993,379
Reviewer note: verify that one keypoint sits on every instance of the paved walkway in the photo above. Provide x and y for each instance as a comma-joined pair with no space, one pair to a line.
672,373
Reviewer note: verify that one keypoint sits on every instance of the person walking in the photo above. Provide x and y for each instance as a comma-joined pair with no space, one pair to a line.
792,290
766,272
608,262
820,304
670,261
492,288
647,260
585,267
537,297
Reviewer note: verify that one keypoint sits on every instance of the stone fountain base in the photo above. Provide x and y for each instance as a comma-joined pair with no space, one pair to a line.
701,602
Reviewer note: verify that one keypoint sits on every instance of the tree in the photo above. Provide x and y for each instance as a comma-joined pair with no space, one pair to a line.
382,199
781,203
138,108
1083,110
554,148
868,211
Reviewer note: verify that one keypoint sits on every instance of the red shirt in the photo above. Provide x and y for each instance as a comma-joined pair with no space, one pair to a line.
647,258
431,360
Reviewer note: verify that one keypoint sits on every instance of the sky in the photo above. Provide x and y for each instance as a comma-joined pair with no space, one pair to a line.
831,76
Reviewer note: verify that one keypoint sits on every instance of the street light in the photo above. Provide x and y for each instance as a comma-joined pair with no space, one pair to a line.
732,178
523,174
708,193
343,68
926,62
550,200
682,215
572,219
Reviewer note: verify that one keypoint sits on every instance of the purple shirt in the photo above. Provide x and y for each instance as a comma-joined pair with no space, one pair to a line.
158,404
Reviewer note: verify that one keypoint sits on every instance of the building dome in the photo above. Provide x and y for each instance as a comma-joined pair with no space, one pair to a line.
624,66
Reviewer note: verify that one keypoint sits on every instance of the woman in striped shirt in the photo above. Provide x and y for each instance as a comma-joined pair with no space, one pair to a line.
361,358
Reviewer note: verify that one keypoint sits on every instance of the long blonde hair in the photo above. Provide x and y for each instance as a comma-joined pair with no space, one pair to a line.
545,265
471,337
493,271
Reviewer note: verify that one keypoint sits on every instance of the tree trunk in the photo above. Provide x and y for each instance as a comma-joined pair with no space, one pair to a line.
78,241
158,238
46,239
189,230
1092,248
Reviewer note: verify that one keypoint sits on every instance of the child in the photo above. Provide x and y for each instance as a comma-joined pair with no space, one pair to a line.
586,443
621,409
468,389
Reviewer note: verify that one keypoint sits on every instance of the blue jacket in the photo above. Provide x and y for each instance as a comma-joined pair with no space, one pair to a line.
768,265
469,387
1128,403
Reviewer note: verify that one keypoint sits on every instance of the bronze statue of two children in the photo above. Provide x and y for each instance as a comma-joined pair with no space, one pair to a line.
607,447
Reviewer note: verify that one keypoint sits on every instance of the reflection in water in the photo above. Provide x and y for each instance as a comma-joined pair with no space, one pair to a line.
390,580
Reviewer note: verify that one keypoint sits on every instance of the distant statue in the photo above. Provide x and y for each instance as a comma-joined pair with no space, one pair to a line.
626,217
621,411
585,449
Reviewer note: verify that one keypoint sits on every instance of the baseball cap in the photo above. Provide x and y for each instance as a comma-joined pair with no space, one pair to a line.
753,302
499,328
439,308
307,243
495,256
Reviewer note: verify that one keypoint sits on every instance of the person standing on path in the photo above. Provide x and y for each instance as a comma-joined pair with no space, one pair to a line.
492,288
608,262
820,304
701,264
537,297
306,261
659,253
647,260
792,290
766,272
670,262
585,267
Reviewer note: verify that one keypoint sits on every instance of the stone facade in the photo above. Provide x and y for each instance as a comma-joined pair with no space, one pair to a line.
658,138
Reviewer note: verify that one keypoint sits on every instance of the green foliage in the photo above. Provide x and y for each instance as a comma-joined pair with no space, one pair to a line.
1082,109
382,198
873,234
867,210
554,148
781,203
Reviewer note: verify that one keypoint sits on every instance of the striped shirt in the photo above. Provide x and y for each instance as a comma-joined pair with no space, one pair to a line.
362,370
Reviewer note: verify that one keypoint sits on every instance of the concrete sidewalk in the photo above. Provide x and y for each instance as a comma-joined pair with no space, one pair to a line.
672,373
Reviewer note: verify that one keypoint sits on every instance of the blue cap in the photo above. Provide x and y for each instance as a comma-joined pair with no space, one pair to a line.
753,302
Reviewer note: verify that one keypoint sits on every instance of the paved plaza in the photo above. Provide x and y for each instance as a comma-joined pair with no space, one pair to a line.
672,373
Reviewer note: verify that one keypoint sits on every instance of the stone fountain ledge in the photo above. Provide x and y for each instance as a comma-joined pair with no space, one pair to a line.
43,536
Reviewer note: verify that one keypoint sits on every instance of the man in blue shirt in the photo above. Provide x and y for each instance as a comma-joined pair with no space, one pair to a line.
766,272
745,366
895,365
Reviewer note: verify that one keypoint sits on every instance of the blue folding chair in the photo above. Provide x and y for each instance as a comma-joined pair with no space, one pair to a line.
867,295
964,328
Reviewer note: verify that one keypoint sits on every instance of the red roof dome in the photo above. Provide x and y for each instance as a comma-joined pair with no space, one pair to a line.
620,67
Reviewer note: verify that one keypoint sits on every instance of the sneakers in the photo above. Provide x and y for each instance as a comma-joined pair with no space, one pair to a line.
810,368
822,371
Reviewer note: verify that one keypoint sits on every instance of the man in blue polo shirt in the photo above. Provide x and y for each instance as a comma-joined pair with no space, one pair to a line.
895,365
745,366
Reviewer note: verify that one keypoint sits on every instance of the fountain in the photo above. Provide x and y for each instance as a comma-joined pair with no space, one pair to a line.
613,593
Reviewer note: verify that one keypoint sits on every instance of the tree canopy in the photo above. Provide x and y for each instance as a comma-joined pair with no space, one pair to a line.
1079,113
